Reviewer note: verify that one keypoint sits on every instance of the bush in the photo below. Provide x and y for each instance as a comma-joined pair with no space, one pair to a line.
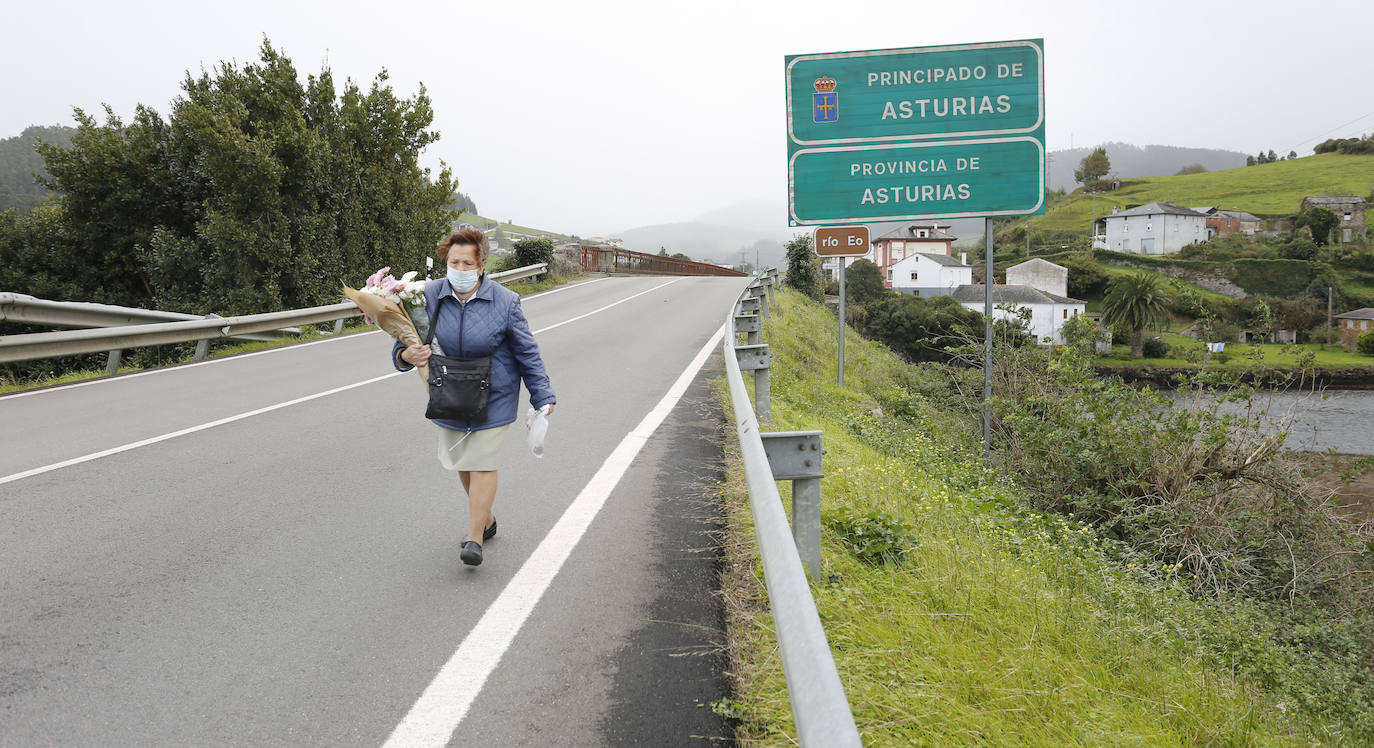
1365,343
1155,348
533,251
874,537
920,329
1087,279
1298,248
803,271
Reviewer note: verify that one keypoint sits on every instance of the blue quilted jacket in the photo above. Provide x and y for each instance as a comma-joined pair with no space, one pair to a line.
489,324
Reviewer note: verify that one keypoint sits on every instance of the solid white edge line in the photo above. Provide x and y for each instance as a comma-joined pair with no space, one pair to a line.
230,419
241,356
442,706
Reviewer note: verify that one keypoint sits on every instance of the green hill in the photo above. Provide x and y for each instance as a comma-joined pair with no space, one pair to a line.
513,232
1275,189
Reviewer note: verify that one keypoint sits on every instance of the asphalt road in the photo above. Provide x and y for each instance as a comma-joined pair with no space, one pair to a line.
275,559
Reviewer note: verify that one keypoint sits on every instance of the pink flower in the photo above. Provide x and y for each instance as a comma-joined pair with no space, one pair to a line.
375,279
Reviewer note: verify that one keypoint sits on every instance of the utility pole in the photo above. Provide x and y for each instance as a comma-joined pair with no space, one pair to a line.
1329,334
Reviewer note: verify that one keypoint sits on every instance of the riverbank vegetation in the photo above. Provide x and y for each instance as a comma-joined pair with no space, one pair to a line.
1111,576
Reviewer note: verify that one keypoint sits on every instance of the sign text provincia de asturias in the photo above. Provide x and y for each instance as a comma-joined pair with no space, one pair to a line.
931,132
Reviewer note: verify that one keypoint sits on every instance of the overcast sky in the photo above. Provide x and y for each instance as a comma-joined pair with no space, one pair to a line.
595,117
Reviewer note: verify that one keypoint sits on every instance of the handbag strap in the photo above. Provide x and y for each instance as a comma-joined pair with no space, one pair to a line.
429,337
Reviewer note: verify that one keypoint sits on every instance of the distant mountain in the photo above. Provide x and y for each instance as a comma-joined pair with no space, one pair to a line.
19,162
745,230
1135,161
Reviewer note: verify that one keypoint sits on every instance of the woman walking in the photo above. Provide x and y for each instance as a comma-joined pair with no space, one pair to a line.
475,316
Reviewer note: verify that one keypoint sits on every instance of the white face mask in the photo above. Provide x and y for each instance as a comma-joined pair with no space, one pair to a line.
463,280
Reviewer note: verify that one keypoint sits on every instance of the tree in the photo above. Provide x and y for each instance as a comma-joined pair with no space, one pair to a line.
1273,156
1292,155
258,193
1136,301
1319,221
863,282
1093,167
1087,279
533,251
1365,343
1192,169
921,329
803,272
1250,161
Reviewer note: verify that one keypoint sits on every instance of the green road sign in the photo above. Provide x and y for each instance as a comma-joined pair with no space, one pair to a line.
931,132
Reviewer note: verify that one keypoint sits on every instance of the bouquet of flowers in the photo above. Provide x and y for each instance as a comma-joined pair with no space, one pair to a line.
397,307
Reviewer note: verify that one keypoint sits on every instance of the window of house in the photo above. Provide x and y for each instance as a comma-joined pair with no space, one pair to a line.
1364,324
1149,227
913,276
1347,215
889,274
1066,314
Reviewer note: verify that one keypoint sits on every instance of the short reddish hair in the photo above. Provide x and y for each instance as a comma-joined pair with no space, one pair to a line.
468,237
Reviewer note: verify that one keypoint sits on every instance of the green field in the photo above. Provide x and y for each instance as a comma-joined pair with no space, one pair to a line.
1265,190
510,229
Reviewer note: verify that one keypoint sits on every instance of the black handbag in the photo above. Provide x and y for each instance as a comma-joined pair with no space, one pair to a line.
458,387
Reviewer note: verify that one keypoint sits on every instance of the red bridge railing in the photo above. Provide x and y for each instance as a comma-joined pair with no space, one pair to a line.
612,260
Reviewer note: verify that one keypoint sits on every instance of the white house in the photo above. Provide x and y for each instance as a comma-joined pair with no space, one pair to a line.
1154,229
1041,274
1048,311
930,275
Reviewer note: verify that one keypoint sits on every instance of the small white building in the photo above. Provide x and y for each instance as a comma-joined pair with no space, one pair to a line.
1048,311
1154,229
1041,274
930,275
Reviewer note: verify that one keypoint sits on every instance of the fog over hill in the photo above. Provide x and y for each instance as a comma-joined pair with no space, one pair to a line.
1136,161
721,235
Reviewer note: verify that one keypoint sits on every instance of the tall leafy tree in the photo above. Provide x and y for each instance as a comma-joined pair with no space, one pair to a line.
260,191
1136,301
1319,221
803,272
1093,167
864,282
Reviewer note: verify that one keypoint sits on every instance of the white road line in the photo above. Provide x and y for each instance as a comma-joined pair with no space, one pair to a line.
240,357
185,431
183,367
267,409
608,306
433,718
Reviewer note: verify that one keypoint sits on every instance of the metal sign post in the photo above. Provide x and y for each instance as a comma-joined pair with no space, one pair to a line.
841,242
987,339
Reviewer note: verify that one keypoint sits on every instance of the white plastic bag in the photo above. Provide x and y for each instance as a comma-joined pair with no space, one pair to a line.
537,421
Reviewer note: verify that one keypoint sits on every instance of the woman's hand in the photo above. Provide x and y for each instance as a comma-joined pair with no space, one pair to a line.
416,355
550,410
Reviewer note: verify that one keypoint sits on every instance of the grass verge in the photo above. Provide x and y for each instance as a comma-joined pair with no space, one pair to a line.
994,625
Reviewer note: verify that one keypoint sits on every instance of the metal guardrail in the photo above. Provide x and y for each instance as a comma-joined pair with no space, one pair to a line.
615,260
115,339
18,307
820,708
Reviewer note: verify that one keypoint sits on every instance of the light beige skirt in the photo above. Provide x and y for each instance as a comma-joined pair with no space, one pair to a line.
471,450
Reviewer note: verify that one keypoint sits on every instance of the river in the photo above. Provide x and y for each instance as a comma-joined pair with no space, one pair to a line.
1335,420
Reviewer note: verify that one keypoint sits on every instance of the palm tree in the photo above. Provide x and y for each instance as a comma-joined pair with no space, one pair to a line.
1136,301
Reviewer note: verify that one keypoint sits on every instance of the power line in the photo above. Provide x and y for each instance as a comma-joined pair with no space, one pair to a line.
1334,129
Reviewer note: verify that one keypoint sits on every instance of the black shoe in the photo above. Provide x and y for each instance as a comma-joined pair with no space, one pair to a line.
471,553
490,532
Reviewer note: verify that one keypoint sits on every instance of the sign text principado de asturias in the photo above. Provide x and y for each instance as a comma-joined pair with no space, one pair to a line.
930,132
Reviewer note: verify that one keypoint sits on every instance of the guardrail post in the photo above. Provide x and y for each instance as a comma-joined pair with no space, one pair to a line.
338,326
751,325
768,283
112,363
755,358
796,456
757,290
